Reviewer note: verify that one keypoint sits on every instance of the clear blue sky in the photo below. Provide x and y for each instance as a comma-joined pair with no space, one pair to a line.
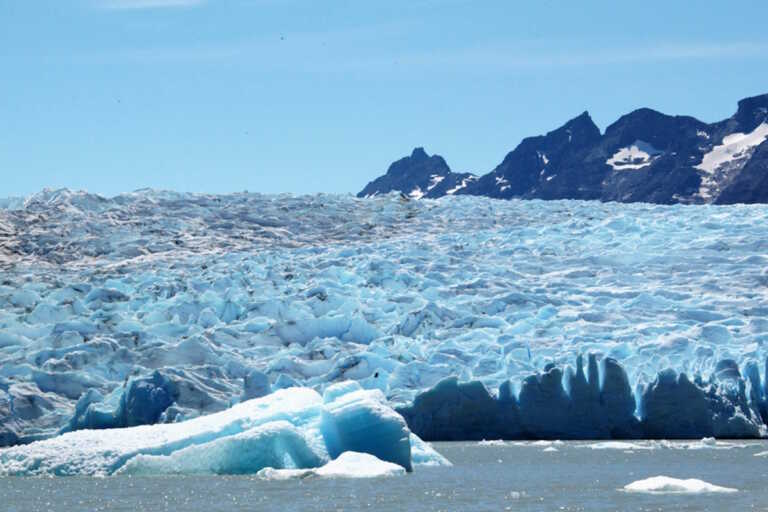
306,96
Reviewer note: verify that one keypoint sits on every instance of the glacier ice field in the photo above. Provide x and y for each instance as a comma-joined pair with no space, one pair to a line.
161,307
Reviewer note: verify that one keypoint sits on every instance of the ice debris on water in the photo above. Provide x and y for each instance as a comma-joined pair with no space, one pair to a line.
668,485
158,306
347,465
290,429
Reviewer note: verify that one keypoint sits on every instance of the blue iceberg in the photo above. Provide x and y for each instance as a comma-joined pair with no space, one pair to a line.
292,428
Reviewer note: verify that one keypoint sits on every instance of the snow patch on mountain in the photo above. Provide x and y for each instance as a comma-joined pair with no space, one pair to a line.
461,185
416,193
434,181
727,158
638,155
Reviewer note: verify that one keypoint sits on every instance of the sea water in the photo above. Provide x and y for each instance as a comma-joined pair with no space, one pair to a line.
568,476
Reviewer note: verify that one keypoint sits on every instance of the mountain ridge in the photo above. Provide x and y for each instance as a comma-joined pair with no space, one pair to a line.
644,156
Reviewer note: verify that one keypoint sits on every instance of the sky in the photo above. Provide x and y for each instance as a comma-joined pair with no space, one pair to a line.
321,96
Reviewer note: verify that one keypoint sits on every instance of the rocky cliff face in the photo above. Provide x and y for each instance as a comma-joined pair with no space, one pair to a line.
645,156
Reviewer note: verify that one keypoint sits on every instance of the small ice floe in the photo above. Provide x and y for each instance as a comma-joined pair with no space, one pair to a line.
619,445
668,485
491,442
347,465
547,444
706,443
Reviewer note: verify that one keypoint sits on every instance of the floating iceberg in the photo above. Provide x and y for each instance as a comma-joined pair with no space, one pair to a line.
291,428
347,465
667,485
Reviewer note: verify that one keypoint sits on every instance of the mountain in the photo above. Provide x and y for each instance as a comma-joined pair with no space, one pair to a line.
419,175
645,156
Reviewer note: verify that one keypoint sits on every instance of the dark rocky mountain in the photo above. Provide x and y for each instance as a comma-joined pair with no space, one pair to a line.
419,175
644,156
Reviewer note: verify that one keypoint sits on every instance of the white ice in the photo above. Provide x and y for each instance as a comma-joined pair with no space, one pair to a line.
347,465
668,485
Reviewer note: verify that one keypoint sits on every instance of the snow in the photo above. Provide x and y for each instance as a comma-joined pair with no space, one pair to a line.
434,181
292,428
416,193
668,485
503,183
638,155
736,146
347,465
461,185
727,158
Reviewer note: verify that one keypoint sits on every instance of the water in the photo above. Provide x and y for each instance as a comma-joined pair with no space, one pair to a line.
514,476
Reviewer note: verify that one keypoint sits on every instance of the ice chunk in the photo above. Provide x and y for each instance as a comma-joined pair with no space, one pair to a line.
619,445
359,420
668,485
276,444
347,465
422,454
290,428
142,402
256,384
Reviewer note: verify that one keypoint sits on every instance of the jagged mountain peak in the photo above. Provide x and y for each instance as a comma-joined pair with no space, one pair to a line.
583,120
419,175
645,155
752,112
579,131
418,153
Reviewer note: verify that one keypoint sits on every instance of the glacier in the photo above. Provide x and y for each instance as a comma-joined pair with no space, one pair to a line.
348,431
474,318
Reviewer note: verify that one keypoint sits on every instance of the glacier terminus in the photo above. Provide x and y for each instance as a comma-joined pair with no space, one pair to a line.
297,324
